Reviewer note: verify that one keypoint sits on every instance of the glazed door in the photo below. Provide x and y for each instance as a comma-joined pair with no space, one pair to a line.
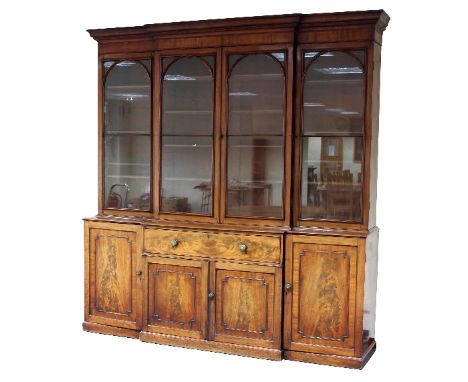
331,97
188,168
255,139
320,296
126,136
176,296
112,276
245,304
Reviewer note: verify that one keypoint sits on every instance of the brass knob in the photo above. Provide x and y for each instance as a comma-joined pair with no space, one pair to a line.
243,247
174,243
139,273
211,295
287,287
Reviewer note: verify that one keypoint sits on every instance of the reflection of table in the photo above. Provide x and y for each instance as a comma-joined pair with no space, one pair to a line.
241,190
340,200
261,193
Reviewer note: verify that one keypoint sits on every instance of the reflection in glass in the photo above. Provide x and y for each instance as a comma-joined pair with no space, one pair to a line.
255,136
186,174
256,95
331,178
255,176
187,135
334,88
127,135
127,172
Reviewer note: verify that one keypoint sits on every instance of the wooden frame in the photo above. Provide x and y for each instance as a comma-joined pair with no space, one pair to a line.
249,285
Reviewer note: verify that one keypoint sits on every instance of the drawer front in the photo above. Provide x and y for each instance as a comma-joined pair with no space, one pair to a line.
214,245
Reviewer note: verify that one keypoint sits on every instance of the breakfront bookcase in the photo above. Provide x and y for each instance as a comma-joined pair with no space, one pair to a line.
237,186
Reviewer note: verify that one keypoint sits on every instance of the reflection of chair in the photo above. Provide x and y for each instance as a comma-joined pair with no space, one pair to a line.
338,195
205,188
118,194
249,193
312,183
340,201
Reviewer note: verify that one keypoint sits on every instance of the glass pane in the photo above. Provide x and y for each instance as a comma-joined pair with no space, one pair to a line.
147,64
127,136
255,176
127,177
331,178
187,136
127,98
361,55
188,98
256,96
107,65
186,174
334,92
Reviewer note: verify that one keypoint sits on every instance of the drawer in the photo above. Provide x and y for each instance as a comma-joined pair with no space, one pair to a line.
214,245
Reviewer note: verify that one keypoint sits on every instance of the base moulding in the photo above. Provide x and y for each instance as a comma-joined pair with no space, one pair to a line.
236,349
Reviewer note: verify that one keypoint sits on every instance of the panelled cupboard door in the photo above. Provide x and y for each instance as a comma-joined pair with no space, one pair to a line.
112,288
246,303
321,298
176,296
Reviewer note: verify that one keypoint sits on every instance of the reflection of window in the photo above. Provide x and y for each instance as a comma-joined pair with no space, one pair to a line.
331,155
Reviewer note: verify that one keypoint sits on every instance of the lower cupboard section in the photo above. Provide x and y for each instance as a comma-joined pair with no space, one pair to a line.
210,300
315,315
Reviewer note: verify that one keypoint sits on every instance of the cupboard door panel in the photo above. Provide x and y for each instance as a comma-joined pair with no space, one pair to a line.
247,306
323,297
176,297
112,259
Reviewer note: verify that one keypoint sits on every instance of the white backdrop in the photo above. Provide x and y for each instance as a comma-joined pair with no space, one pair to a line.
48,183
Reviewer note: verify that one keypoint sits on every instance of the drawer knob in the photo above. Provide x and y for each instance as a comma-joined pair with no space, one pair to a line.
174,243
243,247
287,287
211,295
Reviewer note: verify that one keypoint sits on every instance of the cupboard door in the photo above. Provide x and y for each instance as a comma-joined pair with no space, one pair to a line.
247,304
112,292
176,296
322,298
